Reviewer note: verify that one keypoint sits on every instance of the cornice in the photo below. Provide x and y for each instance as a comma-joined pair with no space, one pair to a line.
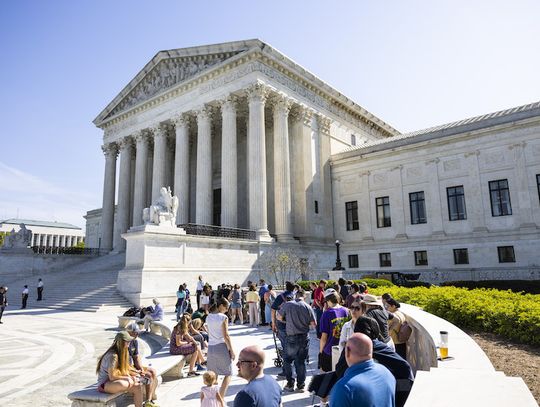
283,69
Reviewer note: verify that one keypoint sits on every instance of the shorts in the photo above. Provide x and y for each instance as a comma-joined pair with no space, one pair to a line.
325,362
101,387
233,305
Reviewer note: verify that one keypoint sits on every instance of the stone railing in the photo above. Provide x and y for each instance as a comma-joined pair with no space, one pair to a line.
80,251
218,231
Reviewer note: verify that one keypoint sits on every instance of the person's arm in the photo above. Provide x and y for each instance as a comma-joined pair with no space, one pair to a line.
180,341
322,343
202,396
220,399
243,399
227,338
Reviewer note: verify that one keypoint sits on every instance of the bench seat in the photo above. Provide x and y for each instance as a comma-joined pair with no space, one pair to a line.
159,328
123,321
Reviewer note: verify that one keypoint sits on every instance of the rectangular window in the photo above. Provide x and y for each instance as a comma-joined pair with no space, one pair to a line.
461,256
353,261
538,184
353,140
456,203
418,207
500,198
420,258
385,260
351,210
383,212
316,206
506,254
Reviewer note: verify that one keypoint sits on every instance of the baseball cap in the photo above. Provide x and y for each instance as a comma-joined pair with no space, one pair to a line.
126,337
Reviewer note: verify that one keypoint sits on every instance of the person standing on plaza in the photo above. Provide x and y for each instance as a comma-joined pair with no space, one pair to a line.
262,291
40,289
365,383
332,321
262,390
318,303
298,317
269,298
200,288
235,298
252,299
3,301
220,351
181,302
210,396
24,296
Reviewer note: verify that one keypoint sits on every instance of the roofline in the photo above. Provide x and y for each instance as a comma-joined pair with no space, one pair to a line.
27,223
486,121
257,46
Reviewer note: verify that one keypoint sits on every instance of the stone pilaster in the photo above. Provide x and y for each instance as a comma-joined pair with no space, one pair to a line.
525,214
124,182
258,216
204,201
160,154
282,172
181,167
325,180
229,162
109,185
141,160
432,199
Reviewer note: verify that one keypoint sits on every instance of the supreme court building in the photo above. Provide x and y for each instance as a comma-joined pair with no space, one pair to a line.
255,144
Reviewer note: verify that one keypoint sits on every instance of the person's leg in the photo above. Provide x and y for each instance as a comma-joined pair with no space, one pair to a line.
137,392
289,357
193,360
262,312
199,299
151,392
251,314
1,312
268,312
300,361
147,319
256,306
224,386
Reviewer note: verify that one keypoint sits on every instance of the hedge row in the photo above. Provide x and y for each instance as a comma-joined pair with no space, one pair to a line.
525,286
371,282
511,315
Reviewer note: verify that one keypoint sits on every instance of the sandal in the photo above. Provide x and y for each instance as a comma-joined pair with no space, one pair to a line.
193,374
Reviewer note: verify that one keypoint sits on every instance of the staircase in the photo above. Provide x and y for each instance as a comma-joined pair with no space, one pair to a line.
90,287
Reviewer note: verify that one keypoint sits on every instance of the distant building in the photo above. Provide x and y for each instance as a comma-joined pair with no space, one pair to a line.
46,234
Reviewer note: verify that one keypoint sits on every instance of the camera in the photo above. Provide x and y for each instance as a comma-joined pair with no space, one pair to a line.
144,380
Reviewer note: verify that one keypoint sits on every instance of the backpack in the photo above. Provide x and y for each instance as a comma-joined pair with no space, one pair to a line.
405,332
133,311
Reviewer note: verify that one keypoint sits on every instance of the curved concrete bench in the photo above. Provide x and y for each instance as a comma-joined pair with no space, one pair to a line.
123,321
160,328
467,378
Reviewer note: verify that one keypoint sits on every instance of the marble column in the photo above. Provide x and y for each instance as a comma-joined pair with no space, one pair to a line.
160,154
258,216
282,172
204,198
68,241
181,167
229,162
141,160
124,182
109,184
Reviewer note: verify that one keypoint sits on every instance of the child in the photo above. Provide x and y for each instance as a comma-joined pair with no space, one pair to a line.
210,396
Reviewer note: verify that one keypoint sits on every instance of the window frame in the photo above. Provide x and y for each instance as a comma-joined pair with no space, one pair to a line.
456,262
499,253
498,199
353,257
387,217
353,139
456,196
352,207
419,261
419,203
538,185
385,262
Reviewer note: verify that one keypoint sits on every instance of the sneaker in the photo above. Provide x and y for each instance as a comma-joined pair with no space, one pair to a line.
300,388
150,404
201,368
281,375
289,386
193,374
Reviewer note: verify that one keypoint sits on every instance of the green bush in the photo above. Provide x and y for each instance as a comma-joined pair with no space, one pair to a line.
526,286
371,283
511,315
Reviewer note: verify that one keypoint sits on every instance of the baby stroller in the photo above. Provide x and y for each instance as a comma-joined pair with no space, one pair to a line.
278,361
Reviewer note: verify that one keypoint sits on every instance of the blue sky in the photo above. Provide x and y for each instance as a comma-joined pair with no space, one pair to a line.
412,63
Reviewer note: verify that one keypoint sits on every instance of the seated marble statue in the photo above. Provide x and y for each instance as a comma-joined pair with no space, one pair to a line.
18,240
163,211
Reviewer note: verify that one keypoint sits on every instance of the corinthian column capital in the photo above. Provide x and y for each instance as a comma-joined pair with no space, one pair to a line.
158,130
324,123
110,150
282,103
257,92
229,104
302,113
125,143
204,113
180,120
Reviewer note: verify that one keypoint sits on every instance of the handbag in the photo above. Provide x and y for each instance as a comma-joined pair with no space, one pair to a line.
321,384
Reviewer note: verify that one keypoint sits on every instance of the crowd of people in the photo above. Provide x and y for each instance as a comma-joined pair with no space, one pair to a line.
369,368
25,293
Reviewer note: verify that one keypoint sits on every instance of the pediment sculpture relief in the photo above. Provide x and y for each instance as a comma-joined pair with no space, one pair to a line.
164,75
163,211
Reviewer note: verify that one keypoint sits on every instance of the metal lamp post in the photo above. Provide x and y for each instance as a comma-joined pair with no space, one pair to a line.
338,259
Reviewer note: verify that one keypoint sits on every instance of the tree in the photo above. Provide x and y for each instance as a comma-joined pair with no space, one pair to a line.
80,245
283,265
2,237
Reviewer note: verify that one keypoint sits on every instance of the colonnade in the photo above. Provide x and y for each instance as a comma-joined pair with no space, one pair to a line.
55,240
165,147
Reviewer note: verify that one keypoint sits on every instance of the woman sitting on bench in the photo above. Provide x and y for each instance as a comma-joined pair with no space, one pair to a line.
115,374
182,343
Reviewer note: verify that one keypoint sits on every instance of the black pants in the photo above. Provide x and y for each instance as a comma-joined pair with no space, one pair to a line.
2,308
262,305
24,299
39,293
199,292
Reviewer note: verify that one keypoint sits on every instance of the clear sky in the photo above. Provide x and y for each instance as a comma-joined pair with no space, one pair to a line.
412,63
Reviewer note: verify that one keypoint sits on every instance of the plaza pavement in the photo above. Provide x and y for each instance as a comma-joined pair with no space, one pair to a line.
46,354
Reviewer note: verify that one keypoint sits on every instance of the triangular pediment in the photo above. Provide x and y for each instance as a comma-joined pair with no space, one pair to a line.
170,68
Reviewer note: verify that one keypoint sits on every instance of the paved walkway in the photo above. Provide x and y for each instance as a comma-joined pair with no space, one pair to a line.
45,354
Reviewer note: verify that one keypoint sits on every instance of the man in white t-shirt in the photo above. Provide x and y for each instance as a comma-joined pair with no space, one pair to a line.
200,288
40,290
24,296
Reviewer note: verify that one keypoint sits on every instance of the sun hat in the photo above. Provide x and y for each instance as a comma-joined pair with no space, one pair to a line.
126,337
329,292
370,299
133,327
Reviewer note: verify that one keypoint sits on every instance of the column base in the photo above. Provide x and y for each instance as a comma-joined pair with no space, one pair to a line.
264,236
286,239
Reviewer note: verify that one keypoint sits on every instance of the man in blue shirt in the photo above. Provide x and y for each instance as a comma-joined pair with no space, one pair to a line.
365,383
262,290
262,390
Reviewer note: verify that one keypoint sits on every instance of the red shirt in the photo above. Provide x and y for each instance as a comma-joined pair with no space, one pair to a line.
318,297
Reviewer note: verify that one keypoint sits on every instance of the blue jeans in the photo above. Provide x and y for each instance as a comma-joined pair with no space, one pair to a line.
296,351
318,315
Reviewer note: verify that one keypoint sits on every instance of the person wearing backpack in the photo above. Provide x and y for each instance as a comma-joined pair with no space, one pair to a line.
397,327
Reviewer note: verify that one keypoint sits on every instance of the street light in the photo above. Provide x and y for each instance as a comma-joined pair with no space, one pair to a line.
338,259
